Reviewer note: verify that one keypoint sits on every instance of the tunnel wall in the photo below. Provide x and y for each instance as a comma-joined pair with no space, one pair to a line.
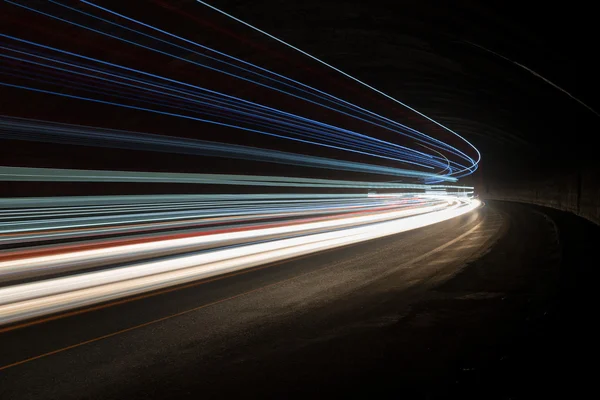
577,192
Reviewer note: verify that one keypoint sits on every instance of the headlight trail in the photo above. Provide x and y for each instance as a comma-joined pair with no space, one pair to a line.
24,174
110,253
358,174
149,262
39,220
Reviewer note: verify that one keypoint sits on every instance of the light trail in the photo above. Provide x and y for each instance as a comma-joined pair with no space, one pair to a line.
61,253
37,220
44,131
116,253
360,110
400,156
237,113
24,174
475,162
132,268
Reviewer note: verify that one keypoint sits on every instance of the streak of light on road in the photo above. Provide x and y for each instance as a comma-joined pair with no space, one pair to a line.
100,268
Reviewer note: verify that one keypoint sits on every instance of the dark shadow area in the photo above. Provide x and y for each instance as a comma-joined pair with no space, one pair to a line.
552,351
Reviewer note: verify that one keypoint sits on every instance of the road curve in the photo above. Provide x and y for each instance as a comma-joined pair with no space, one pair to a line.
279,330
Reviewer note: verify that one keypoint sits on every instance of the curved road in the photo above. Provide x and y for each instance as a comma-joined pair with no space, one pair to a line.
392,314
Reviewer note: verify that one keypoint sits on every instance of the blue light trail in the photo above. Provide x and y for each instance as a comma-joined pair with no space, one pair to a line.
246,112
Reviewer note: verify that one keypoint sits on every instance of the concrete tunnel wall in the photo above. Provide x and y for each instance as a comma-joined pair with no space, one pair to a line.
577,192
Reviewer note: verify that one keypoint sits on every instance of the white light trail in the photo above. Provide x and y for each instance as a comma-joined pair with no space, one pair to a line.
29,300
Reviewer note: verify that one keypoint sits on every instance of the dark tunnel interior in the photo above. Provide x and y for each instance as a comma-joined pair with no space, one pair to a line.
298,199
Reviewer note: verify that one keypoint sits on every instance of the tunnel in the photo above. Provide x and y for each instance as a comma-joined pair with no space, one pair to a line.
298,199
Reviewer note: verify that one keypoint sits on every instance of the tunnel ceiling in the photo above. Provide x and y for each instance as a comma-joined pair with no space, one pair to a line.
512,79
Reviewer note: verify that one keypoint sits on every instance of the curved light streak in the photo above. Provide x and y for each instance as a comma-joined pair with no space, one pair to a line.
289,82
29,300
475,162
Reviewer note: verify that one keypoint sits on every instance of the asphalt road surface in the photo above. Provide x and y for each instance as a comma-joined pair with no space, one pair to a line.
430,313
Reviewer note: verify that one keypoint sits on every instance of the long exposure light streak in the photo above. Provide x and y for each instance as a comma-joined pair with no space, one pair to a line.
174,56
59,253
475,162
433,142
73,175
50,295
65,83
402,156
43,131
223,124
424,175
329,96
